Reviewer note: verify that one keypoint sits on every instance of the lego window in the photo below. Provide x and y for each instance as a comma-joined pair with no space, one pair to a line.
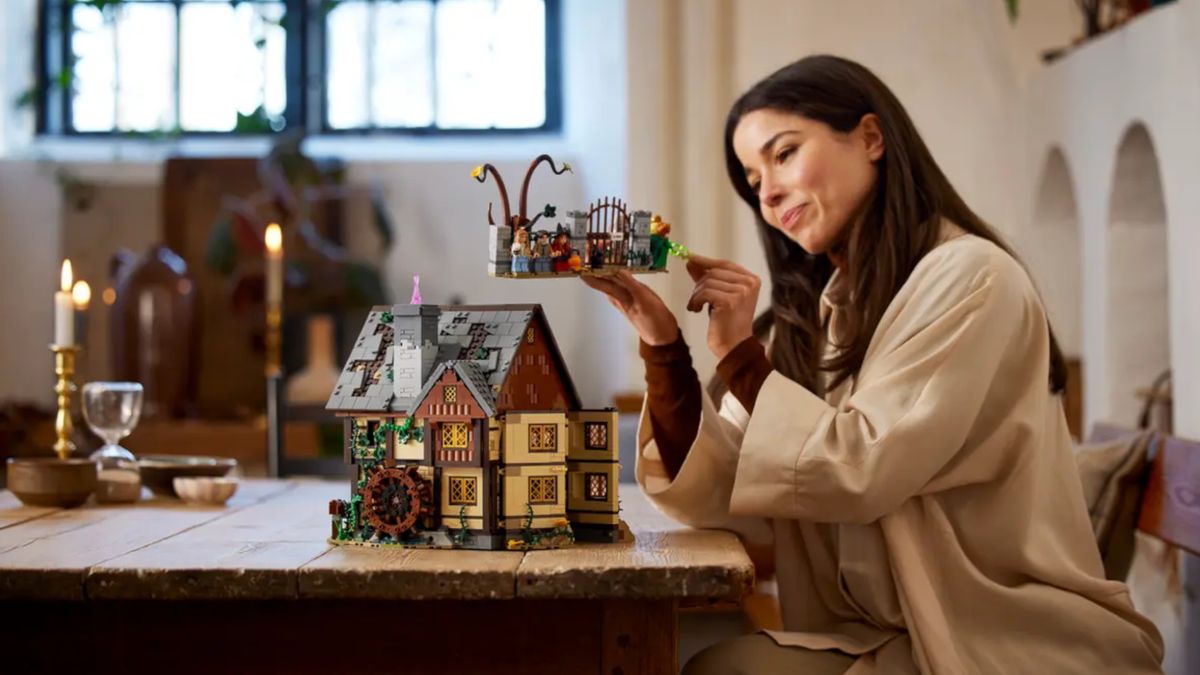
450,394
543,490
597,486
463,491
529,335
543,438
454,435
595,435
364,437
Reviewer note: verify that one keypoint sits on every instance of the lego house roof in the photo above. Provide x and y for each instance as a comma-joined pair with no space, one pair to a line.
478,342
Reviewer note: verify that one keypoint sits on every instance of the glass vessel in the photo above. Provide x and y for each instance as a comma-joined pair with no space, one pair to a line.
111,410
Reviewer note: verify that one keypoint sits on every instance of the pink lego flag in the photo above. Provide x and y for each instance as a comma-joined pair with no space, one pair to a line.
416,295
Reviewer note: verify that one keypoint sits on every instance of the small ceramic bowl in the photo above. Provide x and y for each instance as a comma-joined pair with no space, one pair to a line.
158,471
205,490
48,481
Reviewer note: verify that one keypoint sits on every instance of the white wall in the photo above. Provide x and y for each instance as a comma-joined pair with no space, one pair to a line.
439,210
1138,297
1053,251
29,245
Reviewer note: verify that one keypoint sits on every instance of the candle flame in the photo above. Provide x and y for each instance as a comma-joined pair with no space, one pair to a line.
81,293
66,278
274,238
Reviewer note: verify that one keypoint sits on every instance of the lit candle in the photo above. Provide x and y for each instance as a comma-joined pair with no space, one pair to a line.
64,309
81,296
274,241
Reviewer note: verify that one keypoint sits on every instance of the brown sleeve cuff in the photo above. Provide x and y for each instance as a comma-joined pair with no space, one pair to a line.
673,400
744,370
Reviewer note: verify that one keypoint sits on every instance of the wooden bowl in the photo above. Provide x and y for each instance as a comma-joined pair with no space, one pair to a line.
205,489
159,471
49,481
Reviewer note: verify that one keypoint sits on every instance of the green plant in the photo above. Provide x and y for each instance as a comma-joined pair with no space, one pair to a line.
463,533
560,535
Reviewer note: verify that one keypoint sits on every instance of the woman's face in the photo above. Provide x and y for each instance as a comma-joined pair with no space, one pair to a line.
811,181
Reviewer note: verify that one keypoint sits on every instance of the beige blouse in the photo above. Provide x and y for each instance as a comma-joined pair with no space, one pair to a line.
926,515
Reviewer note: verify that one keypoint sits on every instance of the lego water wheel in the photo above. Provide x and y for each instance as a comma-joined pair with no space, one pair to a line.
395,499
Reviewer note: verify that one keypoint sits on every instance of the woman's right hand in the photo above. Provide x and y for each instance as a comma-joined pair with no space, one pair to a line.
653,321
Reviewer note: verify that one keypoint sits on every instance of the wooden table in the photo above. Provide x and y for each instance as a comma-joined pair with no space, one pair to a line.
254,587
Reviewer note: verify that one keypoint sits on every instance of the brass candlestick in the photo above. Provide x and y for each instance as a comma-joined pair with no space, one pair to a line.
64,370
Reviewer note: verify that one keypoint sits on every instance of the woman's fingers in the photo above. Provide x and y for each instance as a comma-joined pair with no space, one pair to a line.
641,293
697,265
615,292
714,298
709,284
747,280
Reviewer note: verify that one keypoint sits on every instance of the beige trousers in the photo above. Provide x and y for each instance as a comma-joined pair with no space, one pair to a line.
758,654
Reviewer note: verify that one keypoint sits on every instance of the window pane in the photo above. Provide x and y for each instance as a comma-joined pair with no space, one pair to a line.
490,63
92,106
245,72
136,42
402,86
346,65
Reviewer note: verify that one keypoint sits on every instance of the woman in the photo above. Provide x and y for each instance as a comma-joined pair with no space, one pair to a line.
900,443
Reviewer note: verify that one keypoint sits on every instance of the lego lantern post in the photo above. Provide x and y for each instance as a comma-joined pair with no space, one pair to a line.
601,240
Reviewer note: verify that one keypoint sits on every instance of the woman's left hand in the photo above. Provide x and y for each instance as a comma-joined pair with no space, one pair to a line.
731,293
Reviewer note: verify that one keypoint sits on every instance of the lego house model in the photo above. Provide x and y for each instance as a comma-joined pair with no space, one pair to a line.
468,433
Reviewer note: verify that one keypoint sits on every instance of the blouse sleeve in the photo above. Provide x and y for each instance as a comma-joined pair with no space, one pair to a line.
932,366
699,493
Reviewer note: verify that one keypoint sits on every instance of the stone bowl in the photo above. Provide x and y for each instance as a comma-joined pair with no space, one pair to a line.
160,471
49,481
205,490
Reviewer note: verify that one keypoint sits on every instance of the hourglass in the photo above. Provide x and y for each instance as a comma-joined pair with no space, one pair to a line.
111,410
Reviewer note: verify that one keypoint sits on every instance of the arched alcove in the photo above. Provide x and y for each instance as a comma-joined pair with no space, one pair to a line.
1137,292
1056,252
1053,252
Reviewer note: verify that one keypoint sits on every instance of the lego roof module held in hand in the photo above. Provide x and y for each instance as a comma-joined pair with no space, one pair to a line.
602,239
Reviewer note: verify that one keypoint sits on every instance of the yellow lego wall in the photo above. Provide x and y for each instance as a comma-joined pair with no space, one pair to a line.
518,484
586,510
450,511
578,422
517,432
413,450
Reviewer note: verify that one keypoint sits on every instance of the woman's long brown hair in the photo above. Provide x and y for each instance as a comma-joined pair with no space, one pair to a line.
900,222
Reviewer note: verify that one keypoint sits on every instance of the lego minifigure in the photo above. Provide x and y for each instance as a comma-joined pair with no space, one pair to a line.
596,255
659,244
560,250
520,251
542,256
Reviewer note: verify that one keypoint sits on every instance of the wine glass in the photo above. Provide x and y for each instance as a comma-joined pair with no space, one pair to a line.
111,410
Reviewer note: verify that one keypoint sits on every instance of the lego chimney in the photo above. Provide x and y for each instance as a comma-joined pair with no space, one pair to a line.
414,350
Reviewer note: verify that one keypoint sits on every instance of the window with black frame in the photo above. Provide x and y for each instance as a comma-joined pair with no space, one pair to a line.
327,66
